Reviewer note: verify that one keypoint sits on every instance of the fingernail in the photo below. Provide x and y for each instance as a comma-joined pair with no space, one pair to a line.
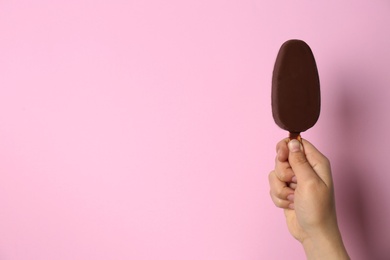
294,179
294,146
291,206
290,197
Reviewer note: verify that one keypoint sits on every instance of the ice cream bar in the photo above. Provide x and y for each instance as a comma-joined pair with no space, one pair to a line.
296,99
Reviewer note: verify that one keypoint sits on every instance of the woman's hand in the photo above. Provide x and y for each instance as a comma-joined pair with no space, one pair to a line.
302,185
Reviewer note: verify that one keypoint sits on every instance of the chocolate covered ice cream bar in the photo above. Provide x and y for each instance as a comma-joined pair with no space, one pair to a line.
296,99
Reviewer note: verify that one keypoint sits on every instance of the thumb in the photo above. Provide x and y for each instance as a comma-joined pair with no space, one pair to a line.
298,161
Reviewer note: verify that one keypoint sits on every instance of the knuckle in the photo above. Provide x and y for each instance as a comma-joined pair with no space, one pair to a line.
282,175
279,193
285,174
278,202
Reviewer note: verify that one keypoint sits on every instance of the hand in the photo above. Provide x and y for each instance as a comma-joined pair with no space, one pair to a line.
302,185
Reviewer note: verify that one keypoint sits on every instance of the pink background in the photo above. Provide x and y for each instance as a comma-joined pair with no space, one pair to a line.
143,129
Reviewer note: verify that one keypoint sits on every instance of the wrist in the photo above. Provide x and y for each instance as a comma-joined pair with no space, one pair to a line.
325,245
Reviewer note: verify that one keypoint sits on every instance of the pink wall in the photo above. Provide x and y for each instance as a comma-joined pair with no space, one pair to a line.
143,129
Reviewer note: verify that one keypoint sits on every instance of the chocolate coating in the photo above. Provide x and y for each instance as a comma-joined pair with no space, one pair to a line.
296,99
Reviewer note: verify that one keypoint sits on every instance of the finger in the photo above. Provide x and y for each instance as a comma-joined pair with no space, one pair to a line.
299,163
282,166
284,204
318,162
314,157
292,185
282,150
278,189
283,171
291,206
